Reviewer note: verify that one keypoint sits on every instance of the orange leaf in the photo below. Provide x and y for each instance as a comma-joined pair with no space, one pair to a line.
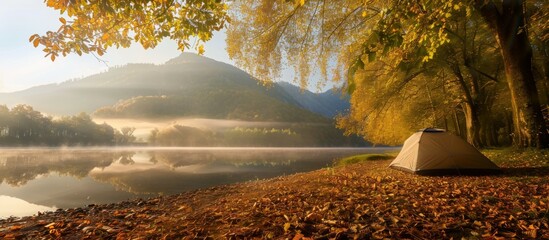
32,37
298,236
63,21
16,227
36,42
531,233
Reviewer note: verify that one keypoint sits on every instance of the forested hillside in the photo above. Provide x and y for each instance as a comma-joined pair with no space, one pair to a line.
238,104
186,86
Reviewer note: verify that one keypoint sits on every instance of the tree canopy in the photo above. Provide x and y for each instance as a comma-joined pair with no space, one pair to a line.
448,58
434,54
95,26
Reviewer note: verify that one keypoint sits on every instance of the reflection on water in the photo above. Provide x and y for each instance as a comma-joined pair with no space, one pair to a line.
66,178
16,207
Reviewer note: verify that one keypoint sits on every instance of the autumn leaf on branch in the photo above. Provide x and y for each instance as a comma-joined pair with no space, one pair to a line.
93,27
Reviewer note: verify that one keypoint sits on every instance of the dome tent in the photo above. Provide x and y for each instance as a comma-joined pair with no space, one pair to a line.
437,152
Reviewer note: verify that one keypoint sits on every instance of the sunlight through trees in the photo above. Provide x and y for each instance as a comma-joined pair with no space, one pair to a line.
406,64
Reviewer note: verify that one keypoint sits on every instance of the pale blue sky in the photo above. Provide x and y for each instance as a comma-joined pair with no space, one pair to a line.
23,66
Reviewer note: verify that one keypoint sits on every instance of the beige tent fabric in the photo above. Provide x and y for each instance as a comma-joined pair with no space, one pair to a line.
438,150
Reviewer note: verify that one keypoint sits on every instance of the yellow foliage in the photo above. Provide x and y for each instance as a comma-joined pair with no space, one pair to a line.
200,49
95,27
376,48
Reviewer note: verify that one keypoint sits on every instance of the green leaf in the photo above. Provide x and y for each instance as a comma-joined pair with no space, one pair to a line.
356,65
371,56
351,86
373,39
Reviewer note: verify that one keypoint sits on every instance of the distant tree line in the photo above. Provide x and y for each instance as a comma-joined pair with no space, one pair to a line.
24,126
295,135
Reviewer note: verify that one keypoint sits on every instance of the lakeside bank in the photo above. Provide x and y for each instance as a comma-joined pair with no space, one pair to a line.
362,200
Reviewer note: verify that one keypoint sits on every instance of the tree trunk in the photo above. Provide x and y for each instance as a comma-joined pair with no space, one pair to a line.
544,98
512,36
457,124
471,124
470,109
545,80
488,132
479,104
529,125
543,83
509,128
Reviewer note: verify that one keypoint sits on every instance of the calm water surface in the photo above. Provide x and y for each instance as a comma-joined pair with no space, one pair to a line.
33,180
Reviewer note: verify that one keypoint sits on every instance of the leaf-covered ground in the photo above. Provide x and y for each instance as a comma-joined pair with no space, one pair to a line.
360,201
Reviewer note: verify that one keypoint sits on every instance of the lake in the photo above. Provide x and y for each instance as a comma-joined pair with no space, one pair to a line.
44,179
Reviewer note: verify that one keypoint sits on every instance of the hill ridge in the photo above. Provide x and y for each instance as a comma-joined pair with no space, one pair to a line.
188,73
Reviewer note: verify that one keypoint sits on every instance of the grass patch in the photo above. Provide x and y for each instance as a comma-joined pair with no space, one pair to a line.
364,158
514,157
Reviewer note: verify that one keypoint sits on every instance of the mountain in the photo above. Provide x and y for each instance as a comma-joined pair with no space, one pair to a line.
329,103
186,86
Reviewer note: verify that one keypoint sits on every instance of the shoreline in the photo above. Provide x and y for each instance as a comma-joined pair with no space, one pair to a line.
364,200
160,148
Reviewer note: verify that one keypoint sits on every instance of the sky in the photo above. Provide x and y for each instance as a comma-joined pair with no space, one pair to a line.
23,66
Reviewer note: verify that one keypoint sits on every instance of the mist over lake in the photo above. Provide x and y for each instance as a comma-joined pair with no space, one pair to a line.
259,119
41,179
189,101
